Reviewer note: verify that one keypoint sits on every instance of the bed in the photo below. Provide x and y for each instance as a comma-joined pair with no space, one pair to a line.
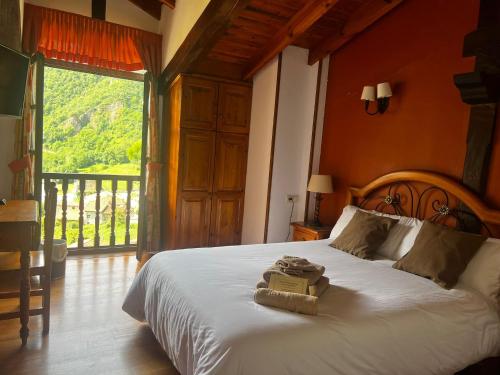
373,319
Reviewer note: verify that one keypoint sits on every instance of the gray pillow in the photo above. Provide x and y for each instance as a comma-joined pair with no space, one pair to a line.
364,234
440,254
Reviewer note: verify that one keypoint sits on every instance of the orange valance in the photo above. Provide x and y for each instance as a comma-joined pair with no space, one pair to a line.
76,38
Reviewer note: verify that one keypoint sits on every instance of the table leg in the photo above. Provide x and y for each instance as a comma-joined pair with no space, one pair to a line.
24,309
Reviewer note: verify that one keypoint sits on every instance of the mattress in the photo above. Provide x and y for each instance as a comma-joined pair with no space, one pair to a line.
373,319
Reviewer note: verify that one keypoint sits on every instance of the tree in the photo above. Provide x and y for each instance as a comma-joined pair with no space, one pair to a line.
90,121
134,151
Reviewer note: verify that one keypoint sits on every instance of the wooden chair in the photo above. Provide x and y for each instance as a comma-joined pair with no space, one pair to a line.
40,265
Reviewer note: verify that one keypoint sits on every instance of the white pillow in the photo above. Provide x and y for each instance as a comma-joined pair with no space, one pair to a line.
343,220
483,271
400,239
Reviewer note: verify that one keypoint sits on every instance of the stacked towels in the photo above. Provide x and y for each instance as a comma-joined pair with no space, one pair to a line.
297,267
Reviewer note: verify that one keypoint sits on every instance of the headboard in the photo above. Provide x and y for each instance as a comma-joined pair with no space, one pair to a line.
430,196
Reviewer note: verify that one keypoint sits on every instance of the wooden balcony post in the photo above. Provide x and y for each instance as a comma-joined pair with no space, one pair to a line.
114,187
81,210
98,187
64,207
127,213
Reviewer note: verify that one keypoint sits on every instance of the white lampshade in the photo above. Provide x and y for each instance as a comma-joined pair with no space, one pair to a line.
368,93
320,183
384,90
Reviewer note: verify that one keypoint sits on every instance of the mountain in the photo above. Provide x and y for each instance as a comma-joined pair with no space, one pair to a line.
91,122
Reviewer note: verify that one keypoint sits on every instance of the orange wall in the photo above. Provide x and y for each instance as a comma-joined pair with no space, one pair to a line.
418,49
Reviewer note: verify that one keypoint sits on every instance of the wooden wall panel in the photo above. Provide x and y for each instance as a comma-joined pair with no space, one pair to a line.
230,162
197,160
493,185
194,214
227,216
199,104
426,124
235,103
10,21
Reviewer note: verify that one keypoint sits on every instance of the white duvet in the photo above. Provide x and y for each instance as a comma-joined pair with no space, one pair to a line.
373,319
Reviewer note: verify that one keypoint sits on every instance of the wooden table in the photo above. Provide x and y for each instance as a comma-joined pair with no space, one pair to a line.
310,232
19,221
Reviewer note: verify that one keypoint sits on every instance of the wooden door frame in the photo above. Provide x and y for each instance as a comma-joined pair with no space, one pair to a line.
141,234
38,107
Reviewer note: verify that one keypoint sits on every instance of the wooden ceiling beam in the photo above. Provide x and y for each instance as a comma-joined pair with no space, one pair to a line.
210,26
364,17
99,9
151,7
169,3
297,25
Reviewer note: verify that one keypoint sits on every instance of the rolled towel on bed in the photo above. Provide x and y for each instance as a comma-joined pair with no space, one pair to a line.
315,290
294,302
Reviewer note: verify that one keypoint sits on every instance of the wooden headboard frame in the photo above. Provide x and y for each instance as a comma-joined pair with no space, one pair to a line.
432,182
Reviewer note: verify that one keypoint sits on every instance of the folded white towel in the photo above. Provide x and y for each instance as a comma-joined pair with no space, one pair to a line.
313,290
294,266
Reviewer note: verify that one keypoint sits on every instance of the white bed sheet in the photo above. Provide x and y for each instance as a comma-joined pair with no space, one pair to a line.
373,319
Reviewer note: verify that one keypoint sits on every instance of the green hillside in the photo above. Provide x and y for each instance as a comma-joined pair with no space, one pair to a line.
92,124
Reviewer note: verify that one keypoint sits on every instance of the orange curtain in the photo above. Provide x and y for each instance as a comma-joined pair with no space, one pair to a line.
76,38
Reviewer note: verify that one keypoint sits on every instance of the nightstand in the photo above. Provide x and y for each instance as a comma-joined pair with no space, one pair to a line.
309,232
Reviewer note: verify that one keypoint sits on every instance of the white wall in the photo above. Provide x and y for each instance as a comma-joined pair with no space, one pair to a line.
124,12
175,24
259,153
83,7
117,11
293,141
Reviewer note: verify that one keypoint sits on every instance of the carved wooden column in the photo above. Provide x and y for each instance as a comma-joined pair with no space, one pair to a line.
481,89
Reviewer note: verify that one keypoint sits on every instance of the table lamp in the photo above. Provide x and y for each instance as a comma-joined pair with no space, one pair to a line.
319,184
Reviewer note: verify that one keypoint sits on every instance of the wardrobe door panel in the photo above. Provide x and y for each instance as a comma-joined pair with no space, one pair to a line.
227,216
234,108
199,103
197,160
230,162
193,226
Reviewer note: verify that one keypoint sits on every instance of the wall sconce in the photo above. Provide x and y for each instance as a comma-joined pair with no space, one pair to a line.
384,92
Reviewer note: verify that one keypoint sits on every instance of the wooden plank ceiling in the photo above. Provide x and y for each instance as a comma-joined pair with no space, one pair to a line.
263,28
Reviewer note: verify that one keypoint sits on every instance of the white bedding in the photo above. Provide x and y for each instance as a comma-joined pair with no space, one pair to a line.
373,320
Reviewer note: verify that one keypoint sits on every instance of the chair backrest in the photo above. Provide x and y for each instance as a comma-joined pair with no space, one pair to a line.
50,206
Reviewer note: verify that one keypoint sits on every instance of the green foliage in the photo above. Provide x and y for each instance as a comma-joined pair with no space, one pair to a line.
90,120
134,151
89,233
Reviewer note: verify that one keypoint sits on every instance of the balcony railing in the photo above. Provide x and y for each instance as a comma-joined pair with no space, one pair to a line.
96,212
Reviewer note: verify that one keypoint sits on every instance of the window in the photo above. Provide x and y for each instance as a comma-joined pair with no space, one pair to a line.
92,147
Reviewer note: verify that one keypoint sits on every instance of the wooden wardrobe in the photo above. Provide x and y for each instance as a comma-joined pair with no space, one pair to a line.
207,145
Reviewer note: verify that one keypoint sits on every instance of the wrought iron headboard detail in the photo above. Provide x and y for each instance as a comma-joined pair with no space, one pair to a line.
429,196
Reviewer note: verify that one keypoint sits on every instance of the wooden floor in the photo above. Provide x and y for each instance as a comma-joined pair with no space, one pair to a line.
89,334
